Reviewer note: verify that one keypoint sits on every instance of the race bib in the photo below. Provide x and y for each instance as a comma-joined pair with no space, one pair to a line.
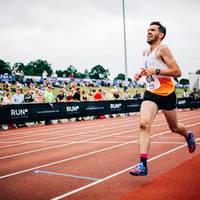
152,82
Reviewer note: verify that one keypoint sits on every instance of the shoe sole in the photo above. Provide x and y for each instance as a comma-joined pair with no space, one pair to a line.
131,173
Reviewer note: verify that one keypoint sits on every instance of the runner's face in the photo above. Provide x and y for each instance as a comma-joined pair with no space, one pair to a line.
153,34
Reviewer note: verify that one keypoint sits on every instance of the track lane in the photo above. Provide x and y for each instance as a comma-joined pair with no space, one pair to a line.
103,163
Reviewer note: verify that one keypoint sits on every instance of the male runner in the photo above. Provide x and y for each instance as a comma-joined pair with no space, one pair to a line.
159,69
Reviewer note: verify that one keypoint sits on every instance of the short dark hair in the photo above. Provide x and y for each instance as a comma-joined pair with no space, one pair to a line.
162,29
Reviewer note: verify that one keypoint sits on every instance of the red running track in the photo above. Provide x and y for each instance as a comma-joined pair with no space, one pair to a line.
91,159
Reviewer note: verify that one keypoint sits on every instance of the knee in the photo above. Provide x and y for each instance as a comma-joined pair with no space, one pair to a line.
144,125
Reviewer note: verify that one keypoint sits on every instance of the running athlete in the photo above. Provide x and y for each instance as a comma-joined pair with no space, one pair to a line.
159,69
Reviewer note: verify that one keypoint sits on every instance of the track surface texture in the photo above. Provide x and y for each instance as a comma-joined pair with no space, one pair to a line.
91,160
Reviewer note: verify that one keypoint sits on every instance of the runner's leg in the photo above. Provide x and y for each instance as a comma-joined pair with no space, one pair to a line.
148,112
172,120
176,127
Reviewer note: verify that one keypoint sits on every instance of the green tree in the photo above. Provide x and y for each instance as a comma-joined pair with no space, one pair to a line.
184,81
59,73
176,79
36,68
72,70
19,66
80,75
86,73
5,67
98,72
69,71
122,77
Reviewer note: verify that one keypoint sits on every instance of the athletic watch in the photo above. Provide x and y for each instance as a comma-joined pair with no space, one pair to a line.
157,71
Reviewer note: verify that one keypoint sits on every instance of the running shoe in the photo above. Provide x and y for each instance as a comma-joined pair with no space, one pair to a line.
191,142
139,170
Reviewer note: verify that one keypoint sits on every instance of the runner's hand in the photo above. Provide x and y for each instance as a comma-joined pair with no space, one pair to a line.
148,71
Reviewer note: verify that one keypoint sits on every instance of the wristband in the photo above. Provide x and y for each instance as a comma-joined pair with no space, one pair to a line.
157,71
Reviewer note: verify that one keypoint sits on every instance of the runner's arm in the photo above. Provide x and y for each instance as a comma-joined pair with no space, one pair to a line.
165,54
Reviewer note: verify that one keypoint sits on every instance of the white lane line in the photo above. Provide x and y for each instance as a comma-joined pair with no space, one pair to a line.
64,160
113,175
75,157
102,142
66,130
63,125
67,175
57,146
42,149
122,120
62,136
82,155
63,145
76,142
57,126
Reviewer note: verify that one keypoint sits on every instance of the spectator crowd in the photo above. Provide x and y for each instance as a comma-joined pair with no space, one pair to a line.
19,93
47,92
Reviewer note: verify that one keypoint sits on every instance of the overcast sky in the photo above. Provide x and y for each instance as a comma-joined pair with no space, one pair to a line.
85,33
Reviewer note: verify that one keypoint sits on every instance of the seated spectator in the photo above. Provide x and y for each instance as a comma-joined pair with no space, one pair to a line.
137,95
28,97
60,97
126,95
48,95
70,96
18,98
77,95
116,95
7,98
49,98
185,93
84,96
98,95
6,87
39,98
194,94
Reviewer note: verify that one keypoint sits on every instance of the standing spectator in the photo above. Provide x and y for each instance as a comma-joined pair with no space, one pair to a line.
18,98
